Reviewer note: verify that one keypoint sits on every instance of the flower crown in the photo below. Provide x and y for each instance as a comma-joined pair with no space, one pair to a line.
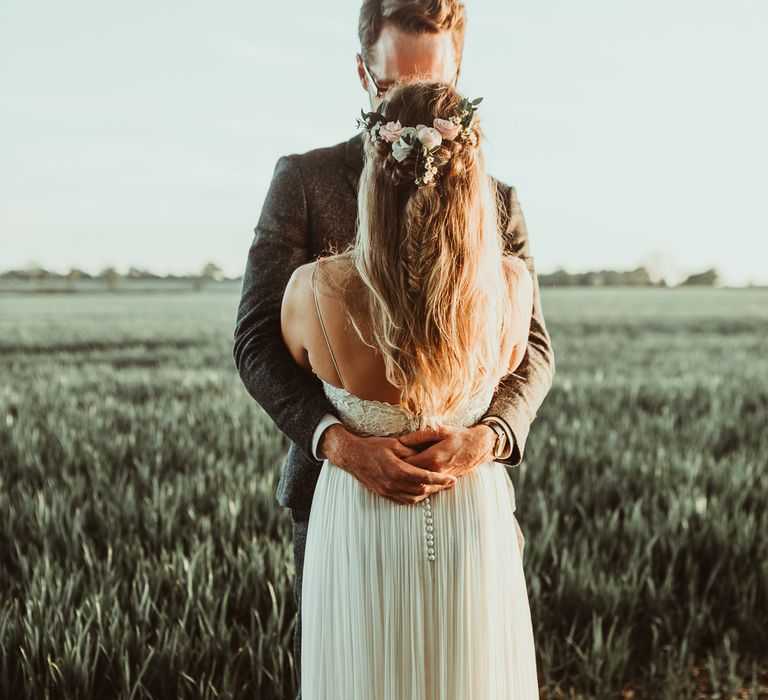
421,138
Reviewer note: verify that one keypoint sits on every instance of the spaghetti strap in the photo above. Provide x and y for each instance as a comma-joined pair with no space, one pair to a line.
322,325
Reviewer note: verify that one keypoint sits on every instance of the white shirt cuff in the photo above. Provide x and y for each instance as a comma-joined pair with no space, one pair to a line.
328,419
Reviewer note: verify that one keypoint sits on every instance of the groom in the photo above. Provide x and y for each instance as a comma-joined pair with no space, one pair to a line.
310,208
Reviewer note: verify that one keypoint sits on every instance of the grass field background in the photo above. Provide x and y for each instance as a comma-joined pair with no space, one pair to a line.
143,554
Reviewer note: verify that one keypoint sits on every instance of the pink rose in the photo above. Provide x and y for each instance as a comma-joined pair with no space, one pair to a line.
390,131
429,137
448,130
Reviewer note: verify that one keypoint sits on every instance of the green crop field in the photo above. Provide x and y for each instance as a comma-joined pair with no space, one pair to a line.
143,555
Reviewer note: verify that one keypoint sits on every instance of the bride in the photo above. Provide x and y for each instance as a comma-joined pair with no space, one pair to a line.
411,329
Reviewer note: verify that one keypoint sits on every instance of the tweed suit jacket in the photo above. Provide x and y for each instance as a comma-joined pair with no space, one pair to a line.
311,206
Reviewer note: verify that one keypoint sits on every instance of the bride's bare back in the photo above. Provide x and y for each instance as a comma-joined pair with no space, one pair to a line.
317,329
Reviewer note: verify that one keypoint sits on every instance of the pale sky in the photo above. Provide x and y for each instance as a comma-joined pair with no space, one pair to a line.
146,134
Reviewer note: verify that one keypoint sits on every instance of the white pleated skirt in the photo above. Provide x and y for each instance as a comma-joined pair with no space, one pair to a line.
415,602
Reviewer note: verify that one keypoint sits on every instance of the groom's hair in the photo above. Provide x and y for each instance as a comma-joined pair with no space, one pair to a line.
415,16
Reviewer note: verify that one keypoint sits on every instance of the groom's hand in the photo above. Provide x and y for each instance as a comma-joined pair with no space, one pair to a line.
379,463
451,450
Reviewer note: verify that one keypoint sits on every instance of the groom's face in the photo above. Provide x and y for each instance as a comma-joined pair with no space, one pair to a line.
398,54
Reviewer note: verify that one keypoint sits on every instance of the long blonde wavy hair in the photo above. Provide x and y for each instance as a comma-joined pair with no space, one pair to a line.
431,260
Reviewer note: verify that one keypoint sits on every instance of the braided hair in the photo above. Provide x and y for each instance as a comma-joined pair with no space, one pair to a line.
430,258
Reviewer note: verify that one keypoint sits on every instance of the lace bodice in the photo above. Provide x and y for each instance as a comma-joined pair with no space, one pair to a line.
372,417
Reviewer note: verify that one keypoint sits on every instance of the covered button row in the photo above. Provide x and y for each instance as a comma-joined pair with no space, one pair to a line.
429,529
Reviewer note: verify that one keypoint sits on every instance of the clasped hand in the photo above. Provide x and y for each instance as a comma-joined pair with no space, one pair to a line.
408,468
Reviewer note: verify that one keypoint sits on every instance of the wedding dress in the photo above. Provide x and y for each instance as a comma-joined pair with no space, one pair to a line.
426,601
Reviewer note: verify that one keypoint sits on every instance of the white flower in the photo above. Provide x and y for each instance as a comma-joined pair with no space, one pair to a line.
469,135
429,136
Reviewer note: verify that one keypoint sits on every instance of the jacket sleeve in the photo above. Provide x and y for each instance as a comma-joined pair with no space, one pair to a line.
292,397
520,395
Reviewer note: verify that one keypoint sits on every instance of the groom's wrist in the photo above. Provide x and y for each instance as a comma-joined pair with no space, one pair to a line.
334,444
327,420
489,440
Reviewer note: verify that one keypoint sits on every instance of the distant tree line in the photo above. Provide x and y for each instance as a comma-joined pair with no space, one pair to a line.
111,277
639,277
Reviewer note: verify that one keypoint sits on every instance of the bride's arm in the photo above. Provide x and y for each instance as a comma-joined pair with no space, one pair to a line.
293,315
521,290
521,394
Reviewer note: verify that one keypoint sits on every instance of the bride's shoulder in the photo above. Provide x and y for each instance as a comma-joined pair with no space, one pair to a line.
301,276
340,263
337,272
519,279
297,291
515,267
324,273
